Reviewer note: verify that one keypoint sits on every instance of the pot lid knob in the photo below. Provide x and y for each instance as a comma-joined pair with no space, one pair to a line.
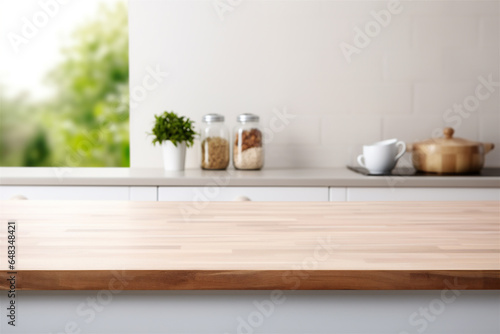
448,132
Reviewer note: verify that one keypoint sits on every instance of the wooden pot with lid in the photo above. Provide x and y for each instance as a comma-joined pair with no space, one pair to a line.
449,155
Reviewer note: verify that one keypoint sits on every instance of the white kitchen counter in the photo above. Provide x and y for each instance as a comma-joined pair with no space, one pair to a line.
322,177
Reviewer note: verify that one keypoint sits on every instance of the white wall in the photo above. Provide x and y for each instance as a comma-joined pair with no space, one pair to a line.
285,55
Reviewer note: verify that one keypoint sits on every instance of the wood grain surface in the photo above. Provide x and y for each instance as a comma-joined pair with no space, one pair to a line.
94,245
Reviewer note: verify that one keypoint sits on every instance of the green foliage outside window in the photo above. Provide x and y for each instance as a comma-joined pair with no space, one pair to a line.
85,124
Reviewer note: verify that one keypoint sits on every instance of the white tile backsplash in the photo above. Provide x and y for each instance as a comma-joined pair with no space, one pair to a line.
340,130
267,55
489,30
411,128
414,65
479,7
441,32
468,63
490,105
428,8
301,156
435,98
381,98
302,130
489,132
348,134
468,127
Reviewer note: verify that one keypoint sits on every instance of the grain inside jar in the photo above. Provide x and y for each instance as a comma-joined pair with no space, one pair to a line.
214,153
248,149
214,142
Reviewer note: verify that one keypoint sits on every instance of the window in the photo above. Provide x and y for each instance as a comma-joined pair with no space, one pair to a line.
64,83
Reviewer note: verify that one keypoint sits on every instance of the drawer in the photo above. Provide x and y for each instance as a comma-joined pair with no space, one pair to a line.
423,194
65,192
260,194
337,194
143,193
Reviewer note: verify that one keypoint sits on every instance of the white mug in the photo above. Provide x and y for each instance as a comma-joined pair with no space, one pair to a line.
381,157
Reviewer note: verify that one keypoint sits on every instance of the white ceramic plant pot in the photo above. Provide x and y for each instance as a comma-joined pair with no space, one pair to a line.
174,157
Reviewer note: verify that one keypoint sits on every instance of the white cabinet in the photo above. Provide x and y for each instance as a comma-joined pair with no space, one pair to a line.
65,192
280,194
143,193
263,194
98,193
338,194
423,194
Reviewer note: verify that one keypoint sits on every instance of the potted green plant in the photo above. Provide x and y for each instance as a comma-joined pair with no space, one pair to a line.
174,133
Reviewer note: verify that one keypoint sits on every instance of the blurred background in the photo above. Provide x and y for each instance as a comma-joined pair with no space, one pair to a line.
64,83
260,56
64,96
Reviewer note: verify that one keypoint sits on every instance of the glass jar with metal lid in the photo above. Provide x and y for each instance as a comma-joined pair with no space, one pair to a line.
248,152
214,142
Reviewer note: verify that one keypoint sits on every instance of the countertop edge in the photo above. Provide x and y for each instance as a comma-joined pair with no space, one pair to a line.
253,280
319,177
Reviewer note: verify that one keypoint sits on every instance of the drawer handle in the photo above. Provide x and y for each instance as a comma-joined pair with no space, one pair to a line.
18,197
242,199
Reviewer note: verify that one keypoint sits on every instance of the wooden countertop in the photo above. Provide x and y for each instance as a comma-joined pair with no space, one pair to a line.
91,245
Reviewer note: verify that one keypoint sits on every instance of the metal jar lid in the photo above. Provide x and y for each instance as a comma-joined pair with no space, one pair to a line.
247,118
211,118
